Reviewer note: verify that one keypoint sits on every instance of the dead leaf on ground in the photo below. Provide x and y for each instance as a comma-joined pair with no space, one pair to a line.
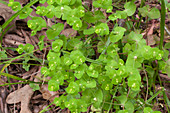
48,95
22,95
14,40
69,32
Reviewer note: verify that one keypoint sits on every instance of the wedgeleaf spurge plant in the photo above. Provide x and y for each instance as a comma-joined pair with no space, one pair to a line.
112,80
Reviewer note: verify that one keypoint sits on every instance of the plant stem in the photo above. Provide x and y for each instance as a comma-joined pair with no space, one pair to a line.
162,24
16,14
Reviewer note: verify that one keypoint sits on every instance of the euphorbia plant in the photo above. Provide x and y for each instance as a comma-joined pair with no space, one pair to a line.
91,80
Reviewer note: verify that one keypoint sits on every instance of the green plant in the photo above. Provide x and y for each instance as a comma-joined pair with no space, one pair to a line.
71,64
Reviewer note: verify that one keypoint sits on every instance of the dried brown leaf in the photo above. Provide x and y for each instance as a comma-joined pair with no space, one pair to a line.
22,95
69,32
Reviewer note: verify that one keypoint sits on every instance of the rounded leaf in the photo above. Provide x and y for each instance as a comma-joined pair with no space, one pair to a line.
72,88
54,31
130,8
57,44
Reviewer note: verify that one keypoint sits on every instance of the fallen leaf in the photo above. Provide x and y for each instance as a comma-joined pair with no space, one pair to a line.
151,40
22,95
48,95
13,39
69,32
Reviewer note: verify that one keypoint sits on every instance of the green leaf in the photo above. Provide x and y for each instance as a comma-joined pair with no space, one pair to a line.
116,79
148,110
77,57
106,85
34,86
20,49
168,6
71,104
25,63
117,34
167,69
41,42
3,55
80,71
75,22
144,10
51,11
123,14
52,56
129,107
54,31
51,2
122,99
97,4
91,83
42,1
102,29
92,73
112,50
89,31
98,15
154,13
62,2
67,61
135,37
156,53
80,11
100,47
102,3
109,9
87,95
82,105
57,101
72,88
89,17
74,66
146,52
74,44
127,48
52,85
123,111
36,24
167,45
130,8
57,44
45,71
135,85
15,6
55,63
41,10
28,48
25,13
114,16
98,98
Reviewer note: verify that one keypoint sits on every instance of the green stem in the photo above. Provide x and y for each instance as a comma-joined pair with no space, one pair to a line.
156,94
141,5
45,109
12,18
162,23
22,83
8,78
16,14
